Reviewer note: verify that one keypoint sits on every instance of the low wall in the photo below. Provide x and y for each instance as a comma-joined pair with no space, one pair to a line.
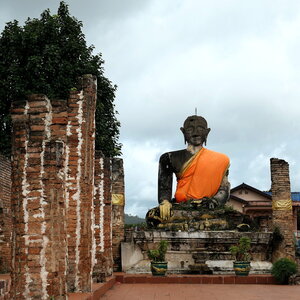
187,250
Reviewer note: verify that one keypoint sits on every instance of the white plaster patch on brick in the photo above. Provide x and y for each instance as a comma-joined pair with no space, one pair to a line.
43,203
13,248
62,175
93,250
48,118
26,107
111,233
44,272
69,133
38,241
28,280
47,131
101,207
25,192
76,196
66,168
67,182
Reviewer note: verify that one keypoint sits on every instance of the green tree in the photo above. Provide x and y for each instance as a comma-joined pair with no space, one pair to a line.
46,56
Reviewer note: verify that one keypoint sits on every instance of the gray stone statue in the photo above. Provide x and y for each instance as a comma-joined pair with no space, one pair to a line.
202,174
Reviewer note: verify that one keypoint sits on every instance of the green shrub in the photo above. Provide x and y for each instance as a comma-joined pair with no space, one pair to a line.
282,269
277,237
241,250
158,255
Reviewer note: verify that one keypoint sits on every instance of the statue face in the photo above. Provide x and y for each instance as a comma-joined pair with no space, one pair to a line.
195,130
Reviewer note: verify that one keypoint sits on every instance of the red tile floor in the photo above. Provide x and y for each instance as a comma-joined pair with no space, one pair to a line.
144,291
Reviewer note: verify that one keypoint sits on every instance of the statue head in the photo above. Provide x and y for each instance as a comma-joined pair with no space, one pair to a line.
195,130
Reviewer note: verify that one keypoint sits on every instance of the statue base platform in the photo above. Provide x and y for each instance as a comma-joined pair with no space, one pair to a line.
189,217
201,252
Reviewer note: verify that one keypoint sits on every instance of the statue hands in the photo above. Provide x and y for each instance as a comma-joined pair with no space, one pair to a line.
165,210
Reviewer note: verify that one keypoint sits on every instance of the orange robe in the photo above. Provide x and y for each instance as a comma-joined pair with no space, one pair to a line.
201,176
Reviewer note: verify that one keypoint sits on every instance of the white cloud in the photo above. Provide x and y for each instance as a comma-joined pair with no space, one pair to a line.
140,162
236,61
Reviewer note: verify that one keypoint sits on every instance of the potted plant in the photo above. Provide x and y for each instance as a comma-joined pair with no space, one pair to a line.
159,266
241,265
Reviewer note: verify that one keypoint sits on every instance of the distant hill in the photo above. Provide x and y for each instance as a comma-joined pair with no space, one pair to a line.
129,219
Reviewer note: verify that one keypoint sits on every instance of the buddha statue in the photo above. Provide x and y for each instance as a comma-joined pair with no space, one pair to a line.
202,174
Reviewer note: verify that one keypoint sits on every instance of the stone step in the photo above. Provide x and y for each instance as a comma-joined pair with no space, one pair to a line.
194,279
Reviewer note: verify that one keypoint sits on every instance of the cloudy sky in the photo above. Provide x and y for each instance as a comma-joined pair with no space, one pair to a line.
237,61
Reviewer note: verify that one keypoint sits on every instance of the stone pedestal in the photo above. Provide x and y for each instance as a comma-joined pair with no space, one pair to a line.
188,252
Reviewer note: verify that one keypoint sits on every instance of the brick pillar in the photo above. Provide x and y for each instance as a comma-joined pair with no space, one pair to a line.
80,184
102,210
5,214
282,208
118,203
52,194
38,202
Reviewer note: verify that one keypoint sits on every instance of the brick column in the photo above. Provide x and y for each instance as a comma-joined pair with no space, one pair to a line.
102,210
38,202
282,208
52,194
5,214
118,203
80,184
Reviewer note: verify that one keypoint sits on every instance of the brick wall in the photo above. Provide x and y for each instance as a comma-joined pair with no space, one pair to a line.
118,203
282,208
5,214
52,194
102,213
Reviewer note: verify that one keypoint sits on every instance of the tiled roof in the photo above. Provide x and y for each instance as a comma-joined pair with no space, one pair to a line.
295,195
251,188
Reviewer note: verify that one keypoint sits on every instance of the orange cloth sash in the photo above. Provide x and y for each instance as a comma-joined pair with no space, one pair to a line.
201,176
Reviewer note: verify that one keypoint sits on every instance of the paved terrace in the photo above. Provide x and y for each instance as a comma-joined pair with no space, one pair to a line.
205,287
201,291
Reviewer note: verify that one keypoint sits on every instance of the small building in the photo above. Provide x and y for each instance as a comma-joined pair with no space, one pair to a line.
257,205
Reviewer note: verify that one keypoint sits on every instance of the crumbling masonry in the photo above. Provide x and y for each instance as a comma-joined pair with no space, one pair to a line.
117,211
61,197
5,214
282,208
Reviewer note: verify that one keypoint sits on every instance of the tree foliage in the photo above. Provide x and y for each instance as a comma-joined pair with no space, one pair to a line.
46,56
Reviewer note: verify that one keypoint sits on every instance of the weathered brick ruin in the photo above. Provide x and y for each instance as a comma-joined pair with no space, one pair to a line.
282,208
118,203
67,200
5,214
103,218
61,197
